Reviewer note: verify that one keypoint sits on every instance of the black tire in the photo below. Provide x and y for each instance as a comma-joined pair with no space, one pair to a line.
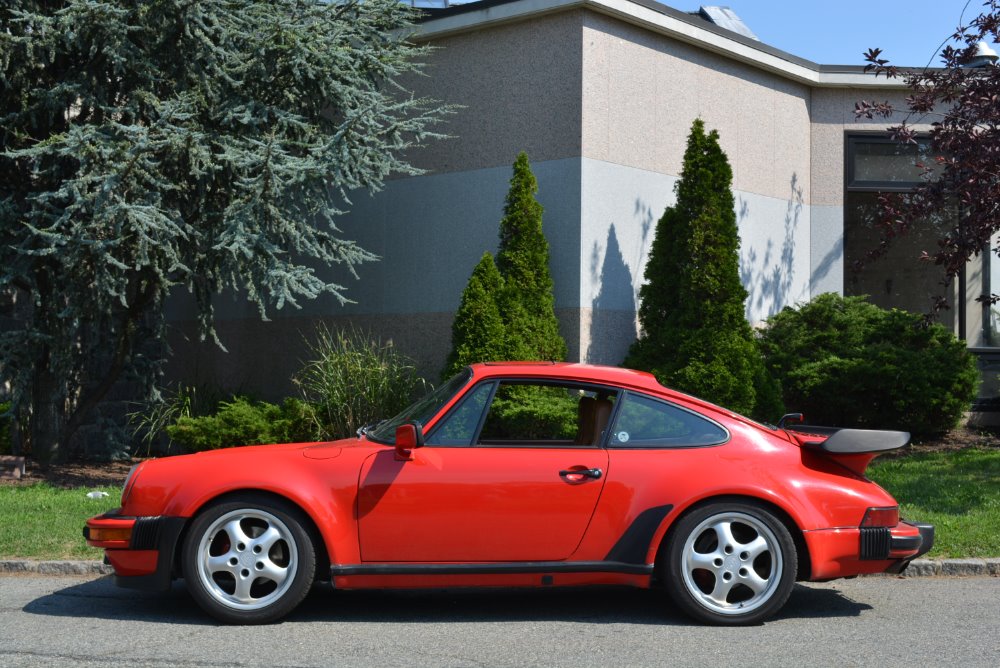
730,563
249,560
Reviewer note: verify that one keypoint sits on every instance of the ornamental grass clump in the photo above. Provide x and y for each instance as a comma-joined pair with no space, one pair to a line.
355,379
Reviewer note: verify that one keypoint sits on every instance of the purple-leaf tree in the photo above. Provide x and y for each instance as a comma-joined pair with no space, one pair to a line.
962,100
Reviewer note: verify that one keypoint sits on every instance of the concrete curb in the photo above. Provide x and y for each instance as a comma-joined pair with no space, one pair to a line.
918,568
27,567
953,567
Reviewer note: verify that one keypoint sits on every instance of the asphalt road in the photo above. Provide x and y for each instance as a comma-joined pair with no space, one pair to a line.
885,622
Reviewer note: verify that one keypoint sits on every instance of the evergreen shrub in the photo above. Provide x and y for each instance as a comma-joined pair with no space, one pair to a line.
532,412
507,310
695,335
478,333
526,300
244,422
845,362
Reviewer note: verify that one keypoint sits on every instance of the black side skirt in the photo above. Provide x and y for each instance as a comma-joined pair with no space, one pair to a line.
493,569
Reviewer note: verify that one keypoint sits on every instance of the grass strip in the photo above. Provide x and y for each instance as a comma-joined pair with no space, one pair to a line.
957,491
44,522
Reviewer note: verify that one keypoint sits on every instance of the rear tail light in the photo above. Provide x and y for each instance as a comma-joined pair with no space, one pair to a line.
881,517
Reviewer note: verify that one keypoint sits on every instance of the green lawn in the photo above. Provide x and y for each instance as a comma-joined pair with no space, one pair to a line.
956,491
44,522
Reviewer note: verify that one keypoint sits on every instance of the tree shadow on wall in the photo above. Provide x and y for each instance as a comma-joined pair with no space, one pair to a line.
612,325
770,287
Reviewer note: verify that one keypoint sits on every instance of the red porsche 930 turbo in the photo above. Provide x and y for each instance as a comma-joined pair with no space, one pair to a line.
520,475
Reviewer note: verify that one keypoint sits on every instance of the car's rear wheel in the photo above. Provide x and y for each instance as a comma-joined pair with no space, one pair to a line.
249,560
730,563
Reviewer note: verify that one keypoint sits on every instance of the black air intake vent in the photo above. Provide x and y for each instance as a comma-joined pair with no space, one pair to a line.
145,533
875,542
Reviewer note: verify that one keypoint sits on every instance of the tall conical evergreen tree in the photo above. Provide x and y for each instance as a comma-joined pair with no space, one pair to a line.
527,302
695,336
516,291
477,334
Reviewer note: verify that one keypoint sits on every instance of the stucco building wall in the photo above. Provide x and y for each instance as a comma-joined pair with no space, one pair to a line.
603,106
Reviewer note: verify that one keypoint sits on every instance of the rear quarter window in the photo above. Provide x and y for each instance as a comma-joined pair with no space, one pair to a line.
645,422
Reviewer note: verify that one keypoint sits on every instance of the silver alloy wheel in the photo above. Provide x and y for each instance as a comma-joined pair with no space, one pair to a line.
247,559
732,563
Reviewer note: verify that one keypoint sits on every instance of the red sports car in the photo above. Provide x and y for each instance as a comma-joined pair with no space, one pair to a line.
520,475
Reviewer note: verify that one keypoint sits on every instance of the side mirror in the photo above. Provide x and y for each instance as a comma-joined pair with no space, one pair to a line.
408,436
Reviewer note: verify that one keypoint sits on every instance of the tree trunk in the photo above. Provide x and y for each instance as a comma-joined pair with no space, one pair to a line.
46,417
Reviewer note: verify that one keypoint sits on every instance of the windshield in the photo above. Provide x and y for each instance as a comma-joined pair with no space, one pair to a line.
422,410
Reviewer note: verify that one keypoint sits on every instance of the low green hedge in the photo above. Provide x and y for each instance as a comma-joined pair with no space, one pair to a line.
846,362
245,422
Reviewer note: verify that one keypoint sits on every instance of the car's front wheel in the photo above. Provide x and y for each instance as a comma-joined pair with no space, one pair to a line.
249,560
730,563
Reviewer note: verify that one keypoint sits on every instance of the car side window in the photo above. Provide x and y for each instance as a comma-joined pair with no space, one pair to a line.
645,422
526,414
459,428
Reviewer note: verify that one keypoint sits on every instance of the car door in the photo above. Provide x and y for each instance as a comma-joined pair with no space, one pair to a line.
505,476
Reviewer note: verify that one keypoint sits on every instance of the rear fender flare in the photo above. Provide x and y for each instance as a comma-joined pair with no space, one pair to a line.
662,534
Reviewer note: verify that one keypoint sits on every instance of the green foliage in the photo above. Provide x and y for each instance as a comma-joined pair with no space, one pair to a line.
956,491
695,334
150,145
245,422
478,333
846,362
151,419
508,309
354,380
526,300
531,412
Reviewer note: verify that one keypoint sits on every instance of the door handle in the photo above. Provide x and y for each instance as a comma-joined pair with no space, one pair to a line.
583,473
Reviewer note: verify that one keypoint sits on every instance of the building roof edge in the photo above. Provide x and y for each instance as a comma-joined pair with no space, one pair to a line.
658,18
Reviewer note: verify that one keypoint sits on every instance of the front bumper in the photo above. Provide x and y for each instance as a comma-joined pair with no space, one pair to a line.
140,549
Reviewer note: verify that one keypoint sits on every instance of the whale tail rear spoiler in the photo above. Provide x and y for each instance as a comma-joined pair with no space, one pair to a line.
854,448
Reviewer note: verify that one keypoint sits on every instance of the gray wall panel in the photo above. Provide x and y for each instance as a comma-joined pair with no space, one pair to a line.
827,250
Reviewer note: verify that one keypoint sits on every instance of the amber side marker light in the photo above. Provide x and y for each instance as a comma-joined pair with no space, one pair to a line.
99,535
881,517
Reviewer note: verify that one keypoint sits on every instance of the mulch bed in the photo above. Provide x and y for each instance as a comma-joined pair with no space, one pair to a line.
956,439
112,474
74,474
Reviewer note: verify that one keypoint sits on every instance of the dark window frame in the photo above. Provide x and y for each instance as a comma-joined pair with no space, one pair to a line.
851,184
496,382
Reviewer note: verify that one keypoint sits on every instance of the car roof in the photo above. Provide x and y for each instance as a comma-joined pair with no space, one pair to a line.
594,373
571,371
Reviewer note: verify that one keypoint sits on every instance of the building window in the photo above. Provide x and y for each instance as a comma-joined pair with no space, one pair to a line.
877,164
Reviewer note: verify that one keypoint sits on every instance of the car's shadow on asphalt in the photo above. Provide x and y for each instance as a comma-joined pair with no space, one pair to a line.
101,599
